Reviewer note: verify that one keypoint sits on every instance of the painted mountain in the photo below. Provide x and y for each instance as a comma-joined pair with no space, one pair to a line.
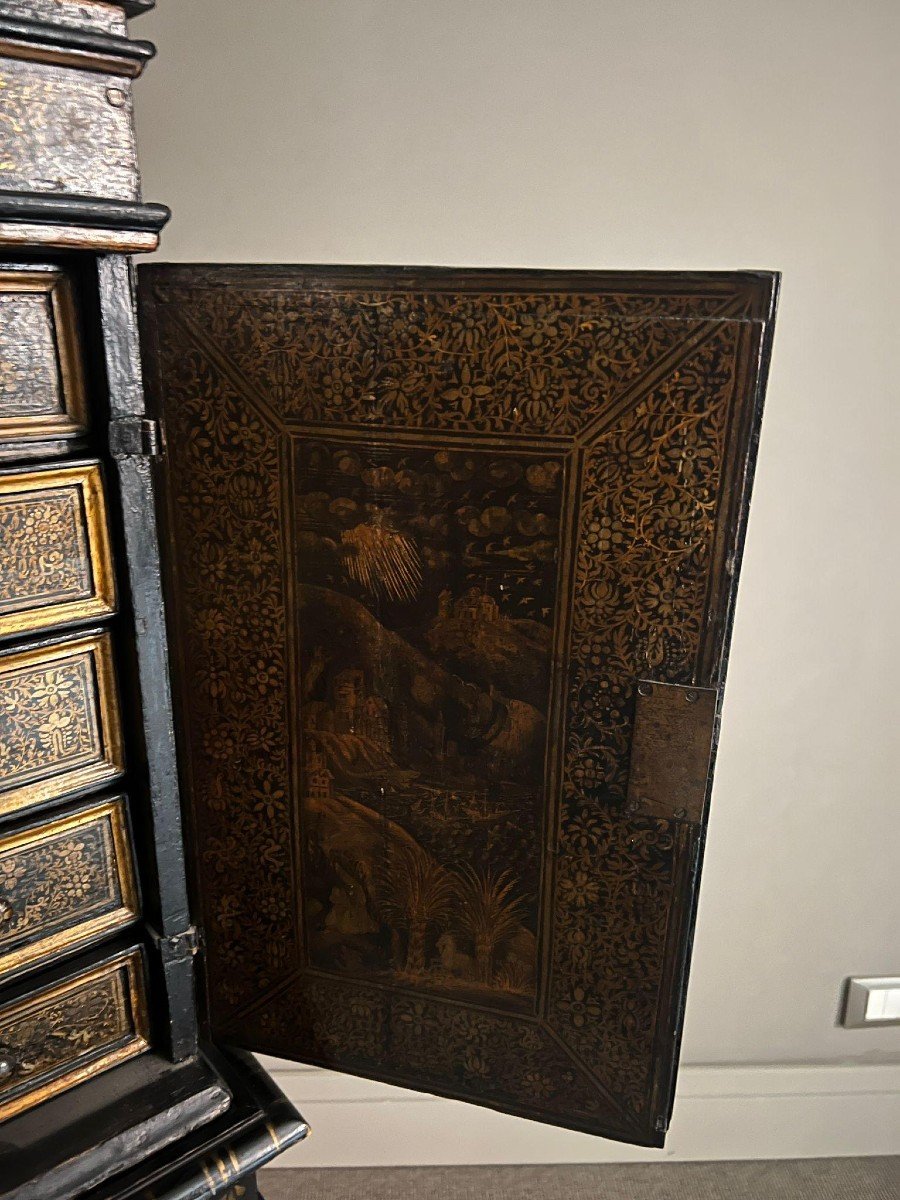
426,584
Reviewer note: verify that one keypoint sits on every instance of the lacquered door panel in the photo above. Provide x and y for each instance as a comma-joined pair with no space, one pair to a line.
445,548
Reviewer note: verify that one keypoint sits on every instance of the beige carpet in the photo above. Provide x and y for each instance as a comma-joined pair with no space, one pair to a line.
803,1179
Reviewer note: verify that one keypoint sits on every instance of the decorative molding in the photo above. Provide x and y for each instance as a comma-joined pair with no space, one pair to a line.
42,388
92,212
73,237
88,49
64,882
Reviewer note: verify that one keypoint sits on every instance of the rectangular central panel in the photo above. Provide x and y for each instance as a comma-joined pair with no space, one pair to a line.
426,587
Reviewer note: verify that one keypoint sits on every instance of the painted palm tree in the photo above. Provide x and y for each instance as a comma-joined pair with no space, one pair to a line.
415,893
489,913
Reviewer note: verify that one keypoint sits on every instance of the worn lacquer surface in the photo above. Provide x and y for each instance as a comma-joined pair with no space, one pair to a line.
62,1035
42,392
76,14
428,533
66,131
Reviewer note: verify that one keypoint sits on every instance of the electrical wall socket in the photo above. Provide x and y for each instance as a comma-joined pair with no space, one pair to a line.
872,1001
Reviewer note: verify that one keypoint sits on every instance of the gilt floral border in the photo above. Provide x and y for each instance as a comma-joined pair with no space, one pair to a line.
646,399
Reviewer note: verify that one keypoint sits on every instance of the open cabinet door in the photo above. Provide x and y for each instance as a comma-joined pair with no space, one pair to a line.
451,561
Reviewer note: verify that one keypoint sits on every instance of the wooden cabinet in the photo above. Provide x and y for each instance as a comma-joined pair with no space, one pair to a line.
107,1088
360,677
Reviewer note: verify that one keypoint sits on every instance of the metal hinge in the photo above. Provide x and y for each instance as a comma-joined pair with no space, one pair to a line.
135,437
180,947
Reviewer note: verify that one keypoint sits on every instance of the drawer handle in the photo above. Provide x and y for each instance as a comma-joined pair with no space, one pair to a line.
8,1066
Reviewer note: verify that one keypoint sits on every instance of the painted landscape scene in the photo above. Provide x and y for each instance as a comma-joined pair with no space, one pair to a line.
426,588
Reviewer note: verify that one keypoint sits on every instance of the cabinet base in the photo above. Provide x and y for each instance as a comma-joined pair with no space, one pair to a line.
219,1160
78,1140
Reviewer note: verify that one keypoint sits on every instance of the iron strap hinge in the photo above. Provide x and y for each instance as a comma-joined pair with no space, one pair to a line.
135,437
180,947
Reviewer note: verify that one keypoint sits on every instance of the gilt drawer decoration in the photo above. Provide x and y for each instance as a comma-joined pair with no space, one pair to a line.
63,1035
42,393
59,721
55,559
63,882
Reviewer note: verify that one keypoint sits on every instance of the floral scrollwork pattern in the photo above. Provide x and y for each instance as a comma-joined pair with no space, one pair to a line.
57,881
44,549
642,396
41,1038
48,720
525,365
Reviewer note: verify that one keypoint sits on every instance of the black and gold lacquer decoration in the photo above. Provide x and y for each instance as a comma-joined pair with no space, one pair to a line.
77,482
429,531
64,882
59,719
55,560
42,387
60,1036
74,132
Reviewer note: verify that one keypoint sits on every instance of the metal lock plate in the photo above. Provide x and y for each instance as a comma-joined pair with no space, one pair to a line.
671,750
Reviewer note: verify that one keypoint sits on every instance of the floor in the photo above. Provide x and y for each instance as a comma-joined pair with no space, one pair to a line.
803,1179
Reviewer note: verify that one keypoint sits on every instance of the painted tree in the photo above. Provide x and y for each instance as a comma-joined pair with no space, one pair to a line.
416,892
489,913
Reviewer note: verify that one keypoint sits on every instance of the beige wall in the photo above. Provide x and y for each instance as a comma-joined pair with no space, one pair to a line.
592,133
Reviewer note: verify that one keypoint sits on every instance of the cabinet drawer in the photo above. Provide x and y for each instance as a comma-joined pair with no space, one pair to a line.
55,560
64,1034
59,721
63,882
74,128
97,15
42,393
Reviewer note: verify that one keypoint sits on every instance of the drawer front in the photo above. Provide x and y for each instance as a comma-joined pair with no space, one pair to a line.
65,881
42,392
96,15
55,559
59,721
68,1033
74,131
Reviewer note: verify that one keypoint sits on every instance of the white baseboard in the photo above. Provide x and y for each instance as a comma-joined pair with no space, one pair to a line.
721,1112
